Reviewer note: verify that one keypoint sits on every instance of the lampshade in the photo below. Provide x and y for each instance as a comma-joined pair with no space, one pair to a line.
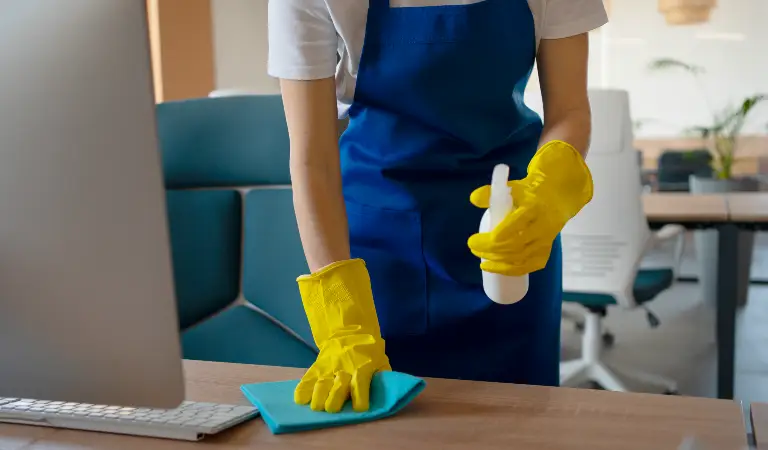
686,12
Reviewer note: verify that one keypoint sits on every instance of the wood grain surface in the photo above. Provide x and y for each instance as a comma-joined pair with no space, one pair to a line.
448,415
759,413
748,207
685,208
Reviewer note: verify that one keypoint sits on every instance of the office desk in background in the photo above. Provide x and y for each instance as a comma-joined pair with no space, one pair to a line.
699,212
448,415
759,417
749,208
686,209
727,213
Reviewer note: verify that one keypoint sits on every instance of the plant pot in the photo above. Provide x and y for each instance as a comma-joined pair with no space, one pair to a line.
707,242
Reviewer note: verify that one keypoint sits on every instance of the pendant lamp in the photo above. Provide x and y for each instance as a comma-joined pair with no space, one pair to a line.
686,12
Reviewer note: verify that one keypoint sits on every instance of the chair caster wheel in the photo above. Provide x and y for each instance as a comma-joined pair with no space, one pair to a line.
671,392
608,339
594,385
579,326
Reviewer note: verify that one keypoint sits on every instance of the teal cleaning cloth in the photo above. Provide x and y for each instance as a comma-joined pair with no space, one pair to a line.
390,392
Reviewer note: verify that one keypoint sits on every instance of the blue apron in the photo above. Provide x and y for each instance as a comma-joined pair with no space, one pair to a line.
438,103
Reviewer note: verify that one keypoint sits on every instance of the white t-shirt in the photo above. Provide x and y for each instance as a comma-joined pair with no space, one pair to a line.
305,36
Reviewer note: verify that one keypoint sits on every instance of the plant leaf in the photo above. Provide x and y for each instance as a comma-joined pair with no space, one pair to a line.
671,63
700,131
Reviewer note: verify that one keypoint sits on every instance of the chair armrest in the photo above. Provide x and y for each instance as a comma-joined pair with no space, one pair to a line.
670,232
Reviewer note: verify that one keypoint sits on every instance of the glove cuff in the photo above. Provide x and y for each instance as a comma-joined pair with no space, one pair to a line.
338,299
562,165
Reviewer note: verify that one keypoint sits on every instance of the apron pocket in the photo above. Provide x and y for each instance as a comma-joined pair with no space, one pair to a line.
390,243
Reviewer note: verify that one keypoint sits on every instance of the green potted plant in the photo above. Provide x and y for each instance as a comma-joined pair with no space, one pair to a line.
722,139
722,134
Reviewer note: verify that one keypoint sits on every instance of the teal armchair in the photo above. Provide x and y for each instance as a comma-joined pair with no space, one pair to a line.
235,244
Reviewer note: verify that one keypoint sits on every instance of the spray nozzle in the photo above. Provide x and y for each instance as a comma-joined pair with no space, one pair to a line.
501,197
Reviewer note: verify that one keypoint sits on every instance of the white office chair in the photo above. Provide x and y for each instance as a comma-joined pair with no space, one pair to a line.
604,245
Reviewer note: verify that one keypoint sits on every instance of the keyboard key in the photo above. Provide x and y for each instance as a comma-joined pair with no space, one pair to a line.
189,416
220,419
242,410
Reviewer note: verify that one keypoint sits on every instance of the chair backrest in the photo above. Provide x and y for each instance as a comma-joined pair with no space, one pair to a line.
603,244
224,141
611,122
675,168
228,180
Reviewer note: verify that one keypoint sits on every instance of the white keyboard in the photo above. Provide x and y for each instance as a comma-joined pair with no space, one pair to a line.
191,421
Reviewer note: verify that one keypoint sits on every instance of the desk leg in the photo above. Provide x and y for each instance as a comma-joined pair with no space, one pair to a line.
727,293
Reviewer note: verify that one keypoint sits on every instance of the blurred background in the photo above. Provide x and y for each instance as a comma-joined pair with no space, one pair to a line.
686,80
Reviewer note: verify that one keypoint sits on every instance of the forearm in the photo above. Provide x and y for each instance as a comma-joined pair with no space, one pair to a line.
562,67
320,213
310,108
573,127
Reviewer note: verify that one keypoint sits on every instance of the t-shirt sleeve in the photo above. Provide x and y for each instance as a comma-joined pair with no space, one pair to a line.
565,18
302,40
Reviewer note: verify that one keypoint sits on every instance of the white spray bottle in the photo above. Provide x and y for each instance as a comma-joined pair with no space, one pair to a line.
501,289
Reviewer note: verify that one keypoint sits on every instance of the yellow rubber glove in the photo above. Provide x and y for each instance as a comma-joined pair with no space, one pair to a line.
558,185
339,306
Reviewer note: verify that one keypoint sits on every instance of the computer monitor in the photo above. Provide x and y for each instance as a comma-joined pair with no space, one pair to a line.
87,304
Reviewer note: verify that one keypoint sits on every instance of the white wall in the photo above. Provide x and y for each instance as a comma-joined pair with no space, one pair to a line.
240,43
732,48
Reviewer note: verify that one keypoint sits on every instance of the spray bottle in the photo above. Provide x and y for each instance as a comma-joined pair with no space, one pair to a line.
501,289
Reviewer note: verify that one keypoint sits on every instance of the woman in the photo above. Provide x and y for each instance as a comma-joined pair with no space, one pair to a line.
433,90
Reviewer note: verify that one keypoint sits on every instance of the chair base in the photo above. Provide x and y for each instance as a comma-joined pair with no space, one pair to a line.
590,368
579,372
578,323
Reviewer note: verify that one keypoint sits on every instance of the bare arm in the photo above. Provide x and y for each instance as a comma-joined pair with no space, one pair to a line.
562,67
310,109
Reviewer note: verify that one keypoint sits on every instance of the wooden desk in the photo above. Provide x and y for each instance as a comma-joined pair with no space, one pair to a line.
748,207
685,208
448,415
759,417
